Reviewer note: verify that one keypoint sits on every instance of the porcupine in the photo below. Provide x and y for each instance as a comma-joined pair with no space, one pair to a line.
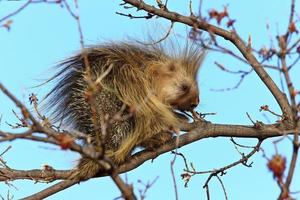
138,76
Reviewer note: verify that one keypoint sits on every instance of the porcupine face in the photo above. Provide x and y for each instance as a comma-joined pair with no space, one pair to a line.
175,86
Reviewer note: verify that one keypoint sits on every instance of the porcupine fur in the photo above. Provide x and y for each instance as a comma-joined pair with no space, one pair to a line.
144,78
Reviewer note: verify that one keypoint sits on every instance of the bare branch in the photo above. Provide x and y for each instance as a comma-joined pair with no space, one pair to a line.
148,16
51,190
199,130
173,177
28,2
223,187
163,38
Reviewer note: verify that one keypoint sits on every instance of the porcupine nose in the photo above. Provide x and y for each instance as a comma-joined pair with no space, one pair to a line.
194,102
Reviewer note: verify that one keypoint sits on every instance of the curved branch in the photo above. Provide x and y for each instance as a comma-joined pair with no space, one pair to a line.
49,191
206,130
198,131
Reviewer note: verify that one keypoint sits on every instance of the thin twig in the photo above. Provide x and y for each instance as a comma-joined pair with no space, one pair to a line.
221,170
26,5
6,150
161,39
173,177
223,187
148,16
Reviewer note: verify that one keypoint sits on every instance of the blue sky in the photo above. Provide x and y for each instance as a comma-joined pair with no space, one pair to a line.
43,34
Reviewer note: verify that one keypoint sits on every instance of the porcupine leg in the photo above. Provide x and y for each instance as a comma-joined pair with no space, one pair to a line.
155,142
117,130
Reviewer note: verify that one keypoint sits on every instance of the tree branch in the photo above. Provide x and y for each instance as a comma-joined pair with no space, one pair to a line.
198,131
49,191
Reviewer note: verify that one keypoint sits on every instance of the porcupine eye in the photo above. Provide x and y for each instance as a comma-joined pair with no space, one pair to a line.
171,67
185,87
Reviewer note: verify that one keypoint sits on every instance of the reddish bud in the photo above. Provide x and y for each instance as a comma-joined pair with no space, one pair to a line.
264,107
230,23
213,13
277,165
292,28
65,141
7,24
294,93
185,176
220,15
